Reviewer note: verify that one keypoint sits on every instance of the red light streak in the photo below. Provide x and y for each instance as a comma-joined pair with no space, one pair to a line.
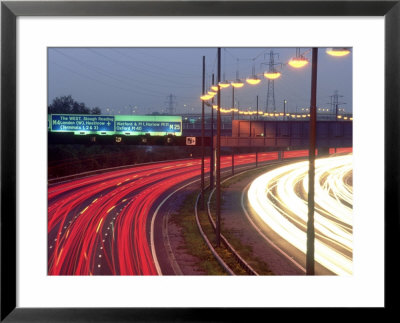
98,225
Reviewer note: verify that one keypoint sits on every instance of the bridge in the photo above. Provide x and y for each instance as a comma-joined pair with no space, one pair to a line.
278,134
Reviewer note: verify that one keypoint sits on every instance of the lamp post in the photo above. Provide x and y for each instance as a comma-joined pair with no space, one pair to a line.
233,103
310,262
284,109
212,142
202,138
218,156
257,106
298,62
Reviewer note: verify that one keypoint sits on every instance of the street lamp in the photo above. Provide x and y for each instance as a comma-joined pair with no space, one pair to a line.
254,79
310,263
310,270
214,88
284,109
238,82
212,141
202,137
272,75
206,97
218,156
339,52
233,103
298,61
224,84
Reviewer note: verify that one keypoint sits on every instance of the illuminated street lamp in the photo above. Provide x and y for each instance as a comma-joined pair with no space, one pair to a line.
212,141
311,172
224,84
237,83
338,52
272,75
214,88
254,79
298,61
284,109
218,157
202,138
233,103
206,97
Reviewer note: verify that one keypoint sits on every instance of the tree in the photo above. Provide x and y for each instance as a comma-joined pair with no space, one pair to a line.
67,105
95,110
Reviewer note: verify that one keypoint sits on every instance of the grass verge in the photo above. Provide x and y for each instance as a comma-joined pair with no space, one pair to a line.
194,243
245,250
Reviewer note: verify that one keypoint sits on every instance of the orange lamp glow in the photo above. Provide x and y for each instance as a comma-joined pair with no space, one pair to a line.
338,52
224,84
253,80
272,75
206,97
214,88
298,62
237,84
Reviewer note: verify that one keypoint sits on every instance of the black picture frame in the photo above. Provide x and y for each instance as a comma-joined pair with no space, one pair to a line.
10,10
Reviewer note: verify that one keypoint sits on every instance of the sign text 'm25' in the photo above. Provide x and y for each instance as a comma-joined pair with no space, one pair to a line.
148,126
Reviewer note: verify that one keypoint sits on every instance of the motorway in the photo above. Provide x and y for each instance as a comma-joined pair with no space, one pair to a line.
279,198
102,224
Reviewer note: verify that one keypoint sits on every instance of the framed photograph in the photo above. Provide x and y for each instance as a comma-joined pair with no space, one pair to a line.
51,47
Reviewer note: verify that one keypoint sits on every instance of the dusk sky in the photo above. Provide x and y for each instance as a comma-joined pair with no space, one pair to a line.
139,80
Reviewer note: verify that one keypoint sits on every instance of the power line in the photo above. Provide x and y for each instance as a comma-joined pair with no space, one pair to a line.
102,82
157,74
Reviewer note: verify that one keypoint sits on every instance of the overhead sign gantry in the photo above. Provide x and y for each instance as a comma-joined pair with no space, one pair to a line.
85,124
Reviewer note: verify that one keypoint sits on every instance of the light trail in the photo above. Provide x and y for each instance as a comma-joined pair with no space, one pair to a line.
279,198
99,225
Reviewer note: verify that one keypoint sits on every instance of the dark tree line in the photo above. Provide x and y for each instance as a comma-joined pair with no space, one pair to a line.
67,105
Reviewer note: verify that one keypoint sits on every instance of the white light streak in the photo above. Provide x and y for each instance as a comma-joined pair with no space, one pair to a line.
279,198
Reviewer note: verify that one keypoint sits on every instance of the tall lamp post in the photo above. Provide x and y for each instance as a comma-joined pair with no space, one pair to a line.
284,109
257,106
218,157
202,137
233,103
298,62
310,263
205,97
212,143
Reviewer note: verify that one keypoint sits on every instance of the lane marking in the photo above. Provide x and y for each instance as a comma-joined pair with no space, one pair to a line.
262,234
153,250
98,227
